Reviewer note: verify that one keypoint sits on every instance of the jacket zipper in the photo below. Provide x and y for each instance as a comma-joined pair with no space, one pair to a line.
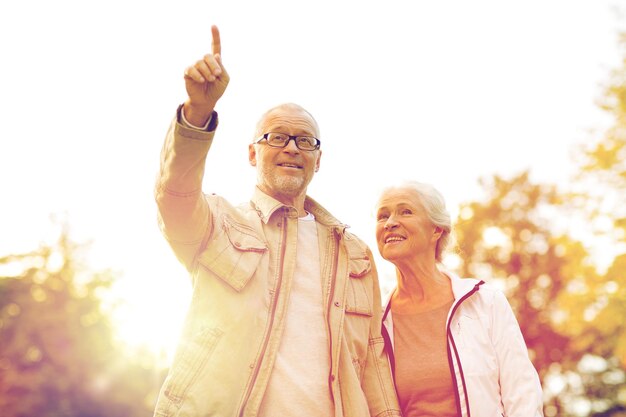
257,368
456,354
331,294
388,344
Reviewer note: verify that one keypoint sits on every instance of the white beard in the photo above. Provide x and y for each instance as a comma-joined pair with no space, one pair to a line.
289,185
283,184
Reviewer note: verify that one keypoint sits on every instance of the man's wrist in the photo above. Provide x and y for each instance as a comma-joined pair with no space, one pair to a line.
209,126
197,115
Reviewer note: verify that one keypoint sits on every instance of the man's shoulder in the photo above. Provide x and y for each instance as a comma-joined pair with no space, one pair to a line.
356,244
352,237
220,206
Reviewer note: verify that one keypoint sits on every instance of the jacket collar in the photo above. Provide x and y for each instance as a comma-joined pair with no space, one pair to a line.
266,206
460,288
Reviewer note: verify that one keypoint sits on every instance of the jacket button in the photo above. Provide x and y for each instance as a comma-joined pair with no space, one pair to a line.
337,304
279,224
332,377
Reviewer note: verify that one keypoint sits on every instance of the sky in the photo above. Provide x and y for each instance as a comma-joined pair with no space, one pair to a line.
445,92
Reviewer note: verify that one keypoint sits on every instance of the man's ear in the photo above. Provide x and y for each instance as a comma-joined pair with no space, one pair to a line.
317,164
252,154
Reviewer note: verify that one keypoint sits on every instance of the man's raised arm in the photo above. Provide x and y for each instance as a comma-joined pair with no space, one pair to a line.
184,214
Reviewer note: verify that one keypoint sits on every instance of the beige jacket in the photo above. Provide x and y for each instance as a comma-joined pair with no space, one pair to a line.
242,260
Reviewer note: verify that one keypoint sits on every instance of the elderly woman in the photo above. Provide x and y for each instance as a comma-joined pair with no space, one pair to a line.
454,344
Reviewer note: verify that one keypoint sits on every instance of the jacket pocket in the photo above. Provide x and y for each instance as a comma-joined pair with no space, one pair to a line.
234,254
472,337
190,359
358,297
359,263
359,267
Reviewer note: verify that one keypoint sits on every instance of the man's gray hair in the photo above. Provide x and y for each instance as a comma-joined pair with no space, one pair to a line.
259,126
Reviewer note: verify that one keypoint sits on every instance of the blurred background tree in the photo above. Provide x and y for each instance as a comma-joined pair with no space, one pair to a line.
560,256
595,315
58,353
603,181
508,240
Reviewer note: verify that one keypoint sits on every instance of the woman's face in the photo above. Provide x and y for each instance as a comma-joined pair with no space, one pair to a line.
403,229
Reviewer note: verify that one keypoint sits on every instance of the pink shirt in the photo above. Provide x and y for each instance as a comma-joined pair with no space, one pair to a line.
423,378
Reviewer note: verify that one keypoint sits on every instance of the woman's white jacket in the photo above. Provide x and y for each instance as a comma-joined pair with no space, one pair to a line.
493,375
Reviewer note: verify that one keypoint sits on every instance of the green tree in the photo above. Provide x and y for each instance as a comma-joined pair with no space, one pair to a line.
58,355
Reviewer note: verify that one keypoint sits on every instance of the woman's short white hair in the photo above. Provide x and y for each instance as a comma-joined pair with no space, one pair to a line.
435,206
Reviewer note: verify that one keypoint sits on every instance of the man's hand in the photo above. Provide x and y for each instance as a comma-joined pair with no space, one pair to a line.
205,82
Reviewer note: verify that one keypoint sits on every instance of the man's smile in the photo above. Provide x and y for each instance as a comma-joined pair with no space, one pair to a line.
289,165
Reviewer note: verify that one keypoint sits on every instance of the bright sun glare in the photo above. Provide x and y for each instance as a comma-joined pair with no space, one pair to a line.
148,313
144,323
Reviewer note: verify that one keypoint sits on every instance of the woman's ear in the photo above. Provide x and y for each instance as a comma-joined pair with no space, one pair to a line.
437,232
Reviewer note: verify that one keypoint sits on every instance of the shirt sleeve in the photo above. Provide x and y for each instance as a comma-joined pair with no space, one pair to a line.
209,126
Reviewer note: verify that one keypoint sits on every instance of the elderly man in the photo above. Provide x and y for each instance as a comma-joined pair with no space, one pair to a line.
285,314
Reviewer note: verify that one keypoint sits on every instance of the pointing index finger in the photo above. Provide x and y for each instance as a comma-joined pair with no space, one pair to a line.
216,45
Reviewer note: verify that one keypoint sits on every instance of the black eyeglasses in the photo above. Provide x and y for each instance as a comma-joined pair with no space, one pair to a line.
280,140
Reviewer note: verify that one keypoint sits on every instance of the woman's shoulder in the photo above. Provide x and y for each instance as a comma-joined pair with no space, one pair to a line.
478,290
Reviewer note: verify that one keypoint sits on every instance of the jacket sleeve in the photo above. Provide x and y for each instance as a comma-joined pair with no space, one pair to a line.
519,382
377,381
183,211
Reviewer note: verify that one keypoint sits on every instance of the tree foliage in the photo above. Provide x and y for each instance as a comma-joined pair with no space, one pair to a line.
541,244
604,169
58,355
516,238
508,238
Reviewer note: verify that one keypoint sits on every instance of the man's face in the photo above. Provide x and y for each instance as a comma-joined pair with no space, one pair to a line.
285,173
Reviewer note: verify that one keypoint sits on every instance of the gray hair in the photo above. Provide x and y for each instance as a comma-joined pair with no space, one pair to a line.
259,126
435,206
